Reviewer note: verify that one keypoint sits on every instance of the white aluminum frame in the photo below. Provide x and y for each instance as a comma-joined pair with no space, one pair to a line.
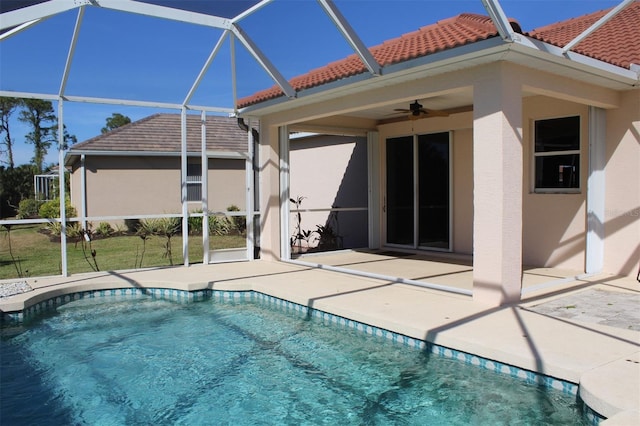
596,191
613,12
285,187
183,186
204,164
500,20
249,200
21,19
350,35
373,188
63,211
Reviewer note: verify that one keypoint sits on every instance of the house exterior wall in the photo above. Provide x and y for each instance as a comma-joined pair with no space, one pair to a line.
622,183
226,185
330,171
120,186
269,187
463,191
554,224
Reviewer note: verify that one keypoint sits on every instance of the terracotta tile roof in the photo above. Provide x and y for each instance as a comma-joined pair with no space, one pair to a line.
446,34
161,133
617,42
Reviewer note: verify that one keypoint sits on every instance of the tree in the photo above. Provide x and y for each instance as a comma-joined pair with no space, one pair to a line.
68,139
16,184
39,114
116,120
7,108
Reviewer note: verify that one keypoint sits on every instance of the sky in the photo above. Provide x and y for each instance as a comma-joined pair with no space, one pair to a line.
122,55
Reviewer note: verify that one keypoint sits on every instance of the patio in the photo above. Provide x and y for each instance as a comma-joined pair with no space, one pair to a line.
495,86
448,270
603,359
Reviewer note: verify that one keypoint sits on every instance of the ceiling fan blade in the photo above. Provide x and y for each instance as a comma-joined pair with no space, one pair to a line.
434,112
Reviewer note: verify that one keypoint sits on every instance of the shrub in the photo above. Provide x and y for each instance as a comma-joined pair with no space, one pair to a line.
166,226
132,225
195,224
239,222
104,229
74,230
28,208
119,228
219,225
15,184
51,209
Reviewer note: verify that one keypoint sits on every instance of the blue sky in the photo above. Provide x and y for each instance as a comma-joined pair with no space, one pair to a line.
120,55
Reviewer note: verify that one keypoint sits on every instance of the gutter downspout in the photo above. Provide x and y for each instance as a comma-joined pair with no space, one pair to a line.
243,126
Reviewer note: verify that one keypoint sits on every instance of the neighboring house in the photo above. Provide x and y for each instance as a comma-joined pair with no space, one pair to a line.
135,169
44,185
511,148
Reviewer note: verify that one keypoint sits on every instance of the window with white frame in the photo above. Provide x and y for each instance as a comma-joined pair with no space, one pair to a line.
194,181
557,154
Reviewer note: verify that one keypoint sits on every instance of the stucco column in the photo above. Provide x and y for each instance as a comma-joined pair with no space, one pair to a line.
497,194
269,187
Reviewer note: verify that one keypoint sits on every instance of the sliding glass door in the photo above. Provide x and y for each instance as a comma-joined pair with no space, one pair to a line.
418,198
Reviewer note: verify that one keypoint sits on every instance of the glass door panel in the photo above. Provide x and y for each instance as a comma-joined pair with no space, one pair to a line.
433,191
400,194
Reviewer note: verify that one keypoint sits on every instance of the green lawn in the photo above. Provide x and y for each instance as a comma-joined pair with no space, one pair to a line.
36,255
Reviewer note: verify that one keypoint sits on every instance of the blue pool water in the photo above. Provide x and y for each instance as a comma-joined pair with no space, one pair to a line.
146,361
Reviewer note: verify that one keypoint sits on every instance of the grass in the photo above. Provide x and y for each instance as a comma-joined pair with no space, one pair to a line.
36,255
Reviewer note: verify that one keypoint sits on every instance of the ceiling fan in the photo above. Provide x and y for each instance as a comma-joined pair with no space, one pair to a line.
416,111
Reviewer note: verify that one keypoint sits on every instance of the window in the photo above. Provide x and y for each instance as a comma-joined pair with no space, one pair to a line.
194,182
557,154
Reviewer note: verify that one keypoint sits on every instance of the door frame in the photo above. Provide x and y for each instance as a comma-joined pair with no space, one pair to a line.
383,207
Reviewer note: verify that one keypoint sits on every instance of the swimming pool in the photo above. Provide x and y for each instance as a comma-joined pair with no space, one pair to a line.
142,360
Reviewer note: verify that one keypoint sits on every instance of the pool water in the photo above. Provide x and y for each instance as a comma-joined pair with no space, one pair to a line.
147,361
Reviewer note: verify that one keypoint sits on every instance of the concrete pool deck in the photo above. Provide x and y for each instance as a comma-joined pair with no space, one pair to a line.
537,334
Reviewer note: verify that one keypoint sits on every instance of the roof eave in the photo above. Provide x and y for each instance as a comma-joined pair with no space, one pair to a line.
610,75
466,56
460,57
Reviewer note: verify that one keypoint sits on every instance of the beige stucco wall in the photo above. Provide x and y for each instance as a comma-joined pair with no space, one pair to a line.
554,225
118,186
269,190
463,191
622,182
226,184
331,171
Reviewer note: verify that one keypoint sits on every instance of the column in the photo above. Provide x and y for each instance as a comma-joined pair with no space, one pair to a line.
497,196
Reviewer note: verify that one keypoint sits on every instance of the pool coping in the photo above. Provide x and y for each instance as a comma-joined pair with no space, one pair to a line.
593,391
